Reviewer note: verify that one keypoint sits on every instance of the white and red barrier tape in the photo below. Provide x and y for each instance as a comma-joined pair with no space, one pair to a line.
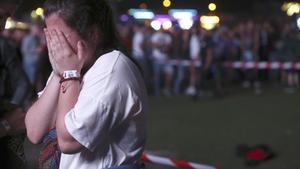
243,65
264,65
173,163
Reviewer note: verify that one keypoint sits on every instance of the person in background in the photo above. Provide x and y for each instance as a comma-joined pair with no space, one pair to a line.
31,49
138,43
250,48
14,88
290,77
15,35
265,45
211,65
138,49
276,55
148,74
161,43
195,50
180,50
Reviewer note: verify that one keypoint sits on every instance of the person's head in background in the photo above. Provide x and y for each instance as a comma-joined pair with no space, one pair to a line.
35,29
90,22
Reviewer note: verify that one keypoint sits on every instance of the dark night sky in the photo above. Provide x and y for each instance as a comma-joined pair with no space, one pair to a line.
234,6
224,6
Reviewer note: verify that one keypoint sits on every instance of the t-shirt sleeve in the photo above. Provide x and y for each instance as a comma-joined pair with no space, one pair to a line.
88,122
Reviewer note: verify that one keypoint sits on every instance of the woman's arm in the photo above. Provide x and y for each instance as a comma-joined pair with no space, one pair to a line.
41,116
62,59
67,101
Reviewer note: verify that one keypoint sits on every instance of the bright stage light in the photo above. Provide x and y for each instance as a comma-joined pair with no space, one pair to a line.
167,25
186,24
9,23
212,6
167,3
156,25
291,8
12,24
183,13
39,11
209,22
141,13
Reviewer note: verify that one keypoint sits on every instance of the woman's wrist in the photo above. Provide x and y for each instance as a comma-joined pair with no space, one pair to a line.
56,77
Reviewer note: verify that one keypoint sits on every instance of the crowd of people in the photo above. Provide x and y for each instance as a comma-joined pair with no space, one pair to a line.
207,50
246,41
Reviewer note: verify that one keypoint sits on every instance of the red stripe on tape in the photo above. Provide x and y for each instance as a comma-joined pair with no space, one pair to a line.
294,66
182,164
256,65
145,159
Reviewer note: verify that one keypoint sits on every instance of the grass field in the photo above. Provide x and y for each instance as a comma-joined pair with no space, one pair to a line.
207,131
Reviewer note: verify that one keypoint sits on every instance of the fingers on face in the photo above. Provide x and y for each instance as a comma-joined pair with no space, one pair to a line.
63,41
54,40
48,40
47,35
50,48
60,43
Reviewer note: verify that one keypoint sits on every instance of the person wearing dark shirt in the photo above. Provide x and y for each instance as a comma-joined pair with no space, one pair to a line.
211,64
180,52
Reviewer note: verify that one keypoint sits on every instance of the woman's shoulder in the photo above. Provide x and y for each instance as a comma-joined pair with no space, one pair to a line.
112,68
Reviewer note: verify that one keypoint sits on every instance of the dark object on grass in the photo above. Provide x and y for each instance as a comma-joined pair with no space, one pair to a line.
253,156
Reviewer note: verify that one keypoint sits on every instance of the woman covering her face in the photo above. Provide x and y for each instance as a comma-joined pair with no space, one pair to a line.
95,98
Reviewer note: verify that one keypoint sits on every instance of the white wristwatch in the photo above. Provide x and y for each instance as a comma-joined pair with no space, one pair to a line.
71,74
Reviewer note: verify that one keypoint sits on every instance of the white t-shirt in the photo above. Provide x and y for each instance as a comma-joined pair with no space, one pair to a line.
163,39
137,41
195,47
109,116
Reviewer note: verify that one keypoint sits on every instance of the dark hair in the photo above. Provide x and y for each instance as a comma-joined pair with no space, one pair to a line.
83,16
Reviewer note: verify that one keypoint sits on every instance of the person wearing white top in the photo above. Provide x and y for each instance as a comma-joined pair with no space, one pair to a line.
195,50
138,42
161,42
96,97
109,116
138,50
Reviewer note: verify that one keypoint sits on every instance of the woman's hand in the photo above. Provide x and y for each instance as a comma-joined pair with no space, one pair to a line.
61,55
